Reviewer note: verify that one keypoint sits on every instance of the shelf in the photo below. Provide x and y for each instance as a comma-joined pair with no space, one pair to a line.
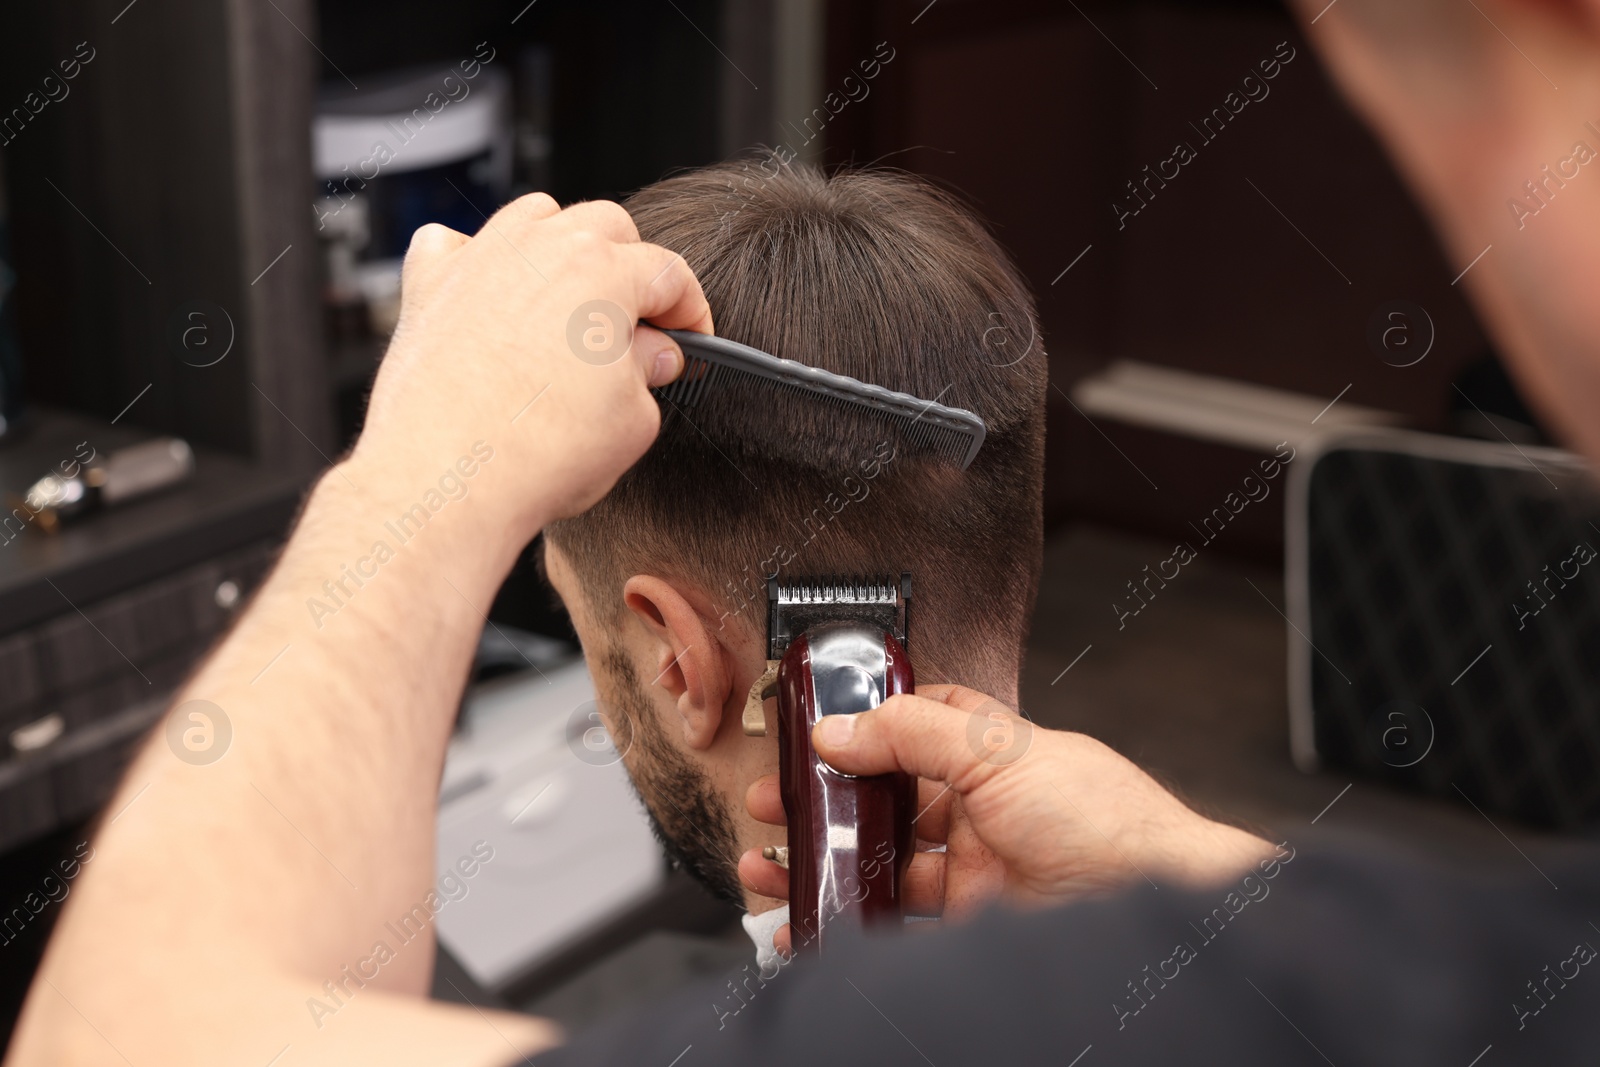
228,503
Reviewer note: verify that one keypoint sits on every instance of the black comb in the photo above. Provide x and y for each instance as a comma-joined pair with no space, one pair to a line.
712,363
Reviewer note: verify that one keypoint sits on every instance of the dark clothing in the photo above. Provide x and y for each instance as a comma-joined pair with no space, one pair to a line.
1342,955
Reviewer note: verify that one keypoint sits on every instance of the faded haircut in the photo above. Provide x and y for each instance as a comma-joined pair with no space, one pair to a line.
881,276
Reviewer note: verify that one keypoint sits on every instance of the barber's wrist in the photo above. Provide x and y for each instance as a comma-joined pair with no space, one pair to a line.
1201,852
454,513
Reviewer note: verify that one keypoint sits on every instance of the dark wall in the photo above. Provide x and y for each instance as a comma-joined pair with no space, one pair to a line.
1037,117
177,168
108,240
158,179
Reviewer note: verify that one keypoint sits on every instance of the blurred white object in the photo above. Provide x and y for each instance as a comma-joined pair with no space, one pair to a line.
473,117
572,850
346,229
379,283
1208,408
126,474
145,467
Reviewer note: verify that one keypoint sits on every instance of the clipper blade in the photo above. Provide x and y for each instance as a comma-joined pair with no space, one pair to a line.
796,606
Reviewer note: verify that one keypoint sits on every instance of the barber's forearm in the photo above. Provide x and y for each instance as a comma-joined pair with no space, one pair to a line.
1483,135
223,894
316,826
1533,285
1536,293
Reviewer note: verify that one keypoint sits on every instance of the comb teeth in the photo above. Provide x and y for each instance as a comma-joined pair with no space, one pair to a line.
712,363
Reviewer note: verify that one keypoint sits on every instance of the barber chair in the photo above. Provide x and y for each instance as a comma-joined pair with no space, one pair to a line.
1444,596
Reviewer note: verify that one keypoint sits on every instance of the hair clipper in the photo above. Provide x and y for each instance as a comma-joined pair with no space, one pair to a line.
837,646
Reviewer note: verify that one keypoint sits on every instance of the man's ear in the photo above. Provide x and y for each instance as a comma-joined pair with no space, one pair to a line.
689,658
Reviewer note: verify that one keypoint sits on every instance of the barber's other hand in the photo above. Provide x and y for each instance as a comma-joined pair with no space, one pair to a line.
519,337
1487,109
1030,815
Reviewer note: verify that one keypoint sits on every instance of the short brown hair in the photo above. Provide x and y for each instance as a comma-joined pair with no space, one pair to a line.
881,276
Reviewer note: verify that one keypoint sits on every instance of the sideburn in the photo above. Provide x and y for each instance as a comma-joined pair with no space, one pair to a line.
686,814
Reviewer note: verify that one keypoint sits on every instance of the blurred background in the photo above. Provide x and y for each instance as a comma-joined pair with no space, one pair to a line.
199,269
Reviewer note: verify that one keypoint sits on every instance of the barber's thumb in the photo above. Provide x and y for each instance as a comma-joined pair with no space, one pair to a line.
658,354
904,733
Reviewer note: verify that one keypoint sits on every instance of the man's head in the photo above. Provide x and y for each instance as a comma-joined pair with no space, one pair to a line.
875,275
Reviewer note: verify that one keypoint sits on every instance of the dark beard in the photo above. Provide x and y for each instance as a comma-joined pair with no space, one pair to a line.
686,814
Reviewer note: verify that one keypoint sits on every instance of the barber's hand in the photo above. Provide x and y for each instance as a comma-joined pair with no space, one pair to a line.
519,337
1029,815
1445,82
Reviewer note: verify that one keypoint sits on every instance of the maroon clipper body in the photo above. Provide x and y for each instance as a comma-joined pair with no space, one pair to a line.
850,837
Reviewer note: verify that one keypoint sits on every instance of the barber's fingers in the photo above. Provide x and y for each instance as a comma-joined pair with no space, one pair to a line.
922,892
764,801
973,877
931,821
761,875
534,207
515,215
656,285
430,245
607,218
956,696
963,739
434,239
665,290
658,354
